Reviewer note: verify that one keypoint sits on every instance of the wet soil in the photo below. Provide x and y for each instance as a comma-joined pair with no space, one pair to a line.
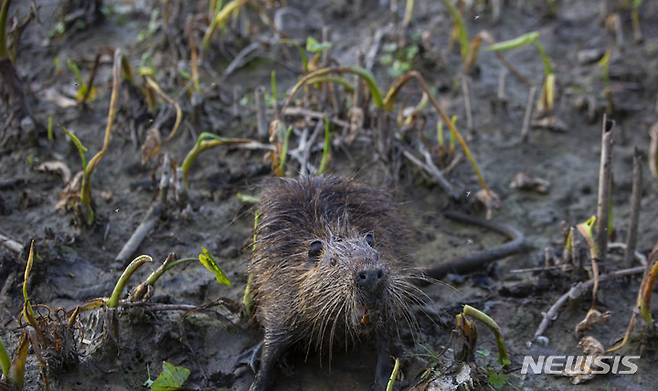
76,263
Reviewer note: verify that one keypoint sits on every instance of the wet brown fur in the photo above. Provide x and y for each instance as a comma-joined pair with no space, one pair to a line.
317,302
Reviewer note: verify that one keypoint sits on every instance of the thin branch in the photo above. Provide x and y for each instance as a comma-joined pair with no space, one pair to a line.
466,90
574,292
4,13
636,197
525,130
92,76
603,205
151,218
429,167
179,112
518,75
480,259
261,114
636,254
302,112
11,244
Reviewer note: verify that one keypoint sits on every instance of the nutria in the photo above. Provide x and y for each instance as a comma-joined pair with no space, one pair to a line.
329,269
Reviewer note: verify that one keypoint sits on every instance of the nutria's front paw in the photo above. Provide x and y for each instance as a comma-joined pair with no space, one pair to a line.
249,358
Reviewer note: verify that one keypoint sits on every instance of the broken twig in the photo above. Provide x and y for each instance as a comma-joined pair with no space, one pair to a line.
603,205
478,260
525,130
573,293
636,197
151,218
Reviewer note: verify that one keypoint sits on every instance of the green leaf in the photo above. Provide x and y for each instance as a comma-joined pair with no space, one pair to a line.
313,46
497,380
5,362
523,40
588,227
273,86
326,148
171,378
75,70
386,59
284,150
79,146
209,263
459,24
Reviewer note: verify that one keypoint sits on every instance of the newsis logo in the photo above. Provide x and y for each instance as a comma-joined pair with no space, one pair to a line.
597,365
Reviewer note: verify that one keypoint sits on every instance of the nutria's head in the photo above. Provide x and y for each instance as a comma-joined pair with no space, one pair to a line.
331,260
350,287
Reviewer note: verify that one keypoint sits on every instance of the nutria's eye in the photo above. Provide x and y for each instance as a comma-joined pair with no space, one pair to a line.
370,239
315,249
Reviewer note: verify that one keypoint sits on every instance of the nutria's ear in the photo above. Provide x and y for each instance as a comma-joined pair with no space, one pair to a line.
315,249
370,239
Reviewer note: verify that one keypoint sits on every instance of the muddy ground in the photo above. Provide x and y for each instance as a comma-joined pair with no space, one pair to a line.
76,263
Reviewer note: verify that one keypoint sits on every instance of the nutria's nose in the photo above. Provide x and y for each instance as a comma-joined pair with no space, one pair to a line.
370,279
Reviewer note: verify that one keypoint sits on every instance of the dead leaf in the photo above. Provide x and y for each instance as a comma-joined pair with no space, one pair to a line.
551,123
592,318
52,95
490,200
591,346
356,124
653,150
151,145
55,166
523,181
106,195
70,196
582,371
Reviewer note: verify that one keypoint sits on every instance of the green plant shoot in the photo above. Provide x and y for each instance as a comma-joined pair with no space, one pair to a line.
460,28
82,88
171,378
208,261
547,101
313,46
390,386
50,130
326,147
283,153
16,372
136,263
85,189
82,150
5,362
28,312
220,19
274,88
364,74
503,356
4,13
204,142
586,229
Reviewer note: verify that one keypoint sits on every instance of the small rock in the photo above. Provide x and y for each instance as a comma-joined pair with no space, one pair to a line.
523,181
27,124
551,123
589,56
